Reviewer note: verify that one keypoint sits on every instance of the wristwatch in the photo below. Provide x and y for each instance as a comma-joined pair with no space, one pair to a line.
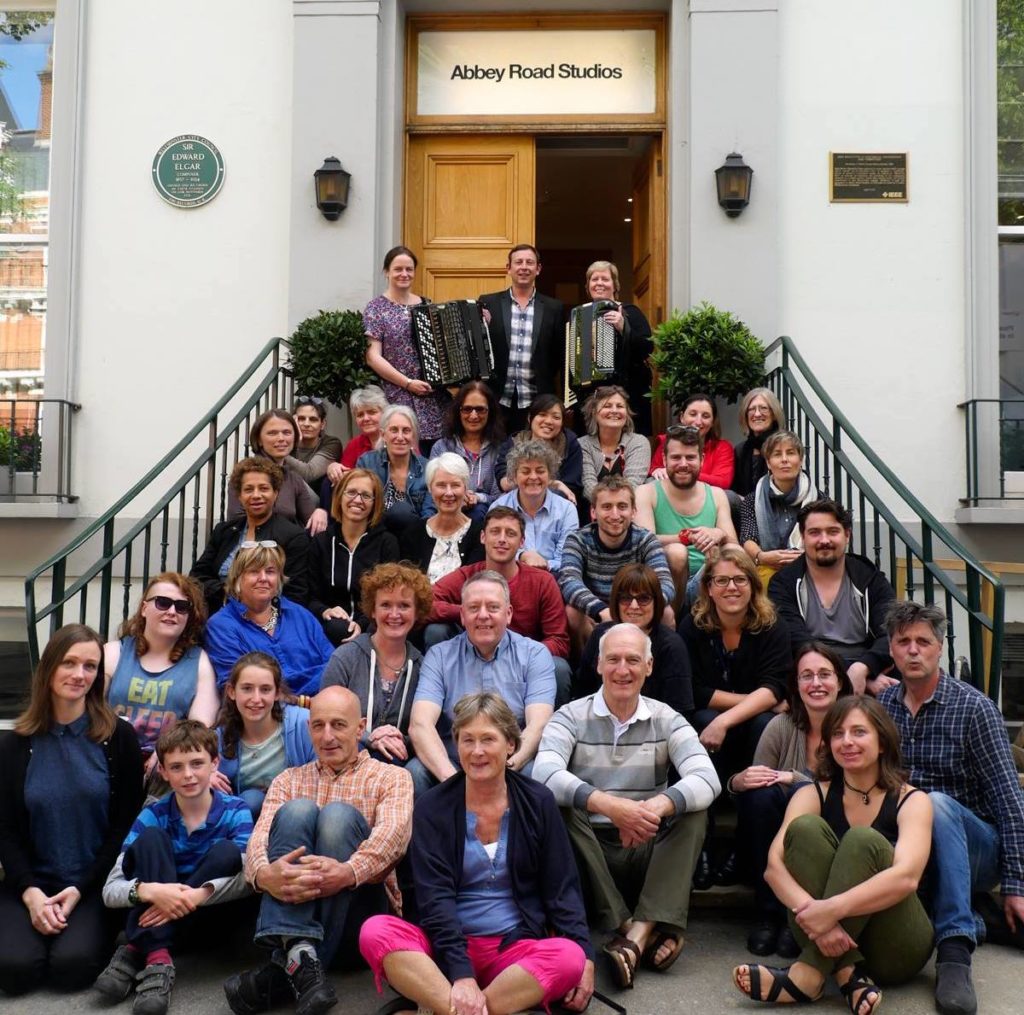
133,893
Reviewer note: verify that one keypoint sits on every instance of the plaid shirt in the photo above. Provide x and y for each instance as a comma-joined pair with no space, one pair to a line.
519,387
381,793
957,745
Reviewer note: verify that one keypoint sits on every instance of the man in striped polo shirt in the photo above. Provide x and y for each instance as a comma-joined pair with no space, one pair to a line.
606,758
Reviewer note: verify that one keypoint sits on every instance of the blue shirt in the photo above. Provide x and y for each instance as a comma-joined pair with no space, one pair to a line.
547,531
67,796
521,671
229,818
485,904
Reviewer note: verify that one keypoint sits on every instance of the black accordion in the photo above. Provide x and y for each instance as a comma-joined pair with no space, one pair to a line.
452,342
591,348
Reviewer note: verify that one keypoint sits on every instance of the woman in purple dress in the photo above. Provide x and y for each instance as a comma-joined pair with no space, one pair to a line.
390,352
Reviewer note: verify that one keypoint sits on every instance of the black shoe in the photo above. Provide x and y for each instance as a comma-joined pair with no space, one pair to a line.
954,991
786,946
313,994
117,981
761,940
153,988
258,990
728,872
702,877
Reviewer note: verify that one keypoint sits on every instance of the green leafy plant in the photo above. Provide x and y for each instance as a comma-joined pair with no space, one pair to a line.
22,448
705,349
328,355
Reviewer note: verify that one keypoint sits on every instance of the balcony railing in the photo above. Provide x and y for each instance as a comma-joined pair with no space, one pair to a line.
984,420
35,448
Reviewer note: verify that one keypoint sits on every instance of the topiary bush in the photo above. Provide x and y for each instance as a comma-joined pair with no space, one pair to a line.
328,355
705,349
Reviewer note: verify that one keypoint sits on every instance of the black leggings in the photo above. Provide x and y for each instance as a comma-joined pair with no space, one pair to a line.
70,960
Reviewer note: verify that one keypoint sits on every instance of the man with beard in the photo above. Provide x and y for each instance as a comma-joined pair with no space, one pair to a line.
687,516
836,597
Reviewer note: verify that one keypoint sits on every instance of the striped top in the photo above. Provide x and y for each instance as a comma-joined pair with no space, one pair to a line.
229,818
580,753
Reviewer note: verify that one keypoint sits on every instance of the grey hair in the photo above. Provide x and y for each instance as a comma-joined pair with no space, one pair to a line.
779,439
487,575
395,410
532,451
447,461
371,397
905,612
648,653
774,407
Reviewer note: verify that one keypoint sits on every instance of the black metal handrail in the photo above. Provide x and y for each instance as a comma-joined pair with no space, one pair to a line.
35,449
1002,426
160,538
928,562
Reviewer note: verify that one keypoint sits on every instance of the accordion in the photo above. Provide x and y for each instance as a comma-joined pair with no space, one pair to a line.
452,342
591,347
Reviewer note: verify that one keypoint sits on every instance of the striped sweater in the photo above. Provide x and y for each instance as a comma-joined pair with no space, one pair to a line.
589,567
578,755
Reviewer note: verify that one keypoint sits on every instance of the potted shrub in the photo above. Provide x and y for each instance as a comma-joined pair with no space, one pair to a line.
705,349
328,355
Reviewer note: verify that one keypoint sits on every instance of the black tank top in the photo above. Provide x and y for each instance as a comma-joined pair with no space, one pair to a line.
835,816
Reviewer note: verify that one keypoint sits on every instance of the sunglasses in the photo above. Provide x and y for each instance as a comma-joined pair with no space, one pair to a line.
641,600
309,400
474,410
251,544
679,430
164,603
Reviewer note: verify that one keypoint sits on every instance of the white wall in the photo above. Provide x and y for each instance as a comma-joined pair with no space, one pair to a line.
874,295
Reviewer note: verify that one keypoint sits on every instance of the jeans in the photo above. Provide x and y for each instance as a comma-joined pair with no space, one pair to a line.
336,830
254,801
964,860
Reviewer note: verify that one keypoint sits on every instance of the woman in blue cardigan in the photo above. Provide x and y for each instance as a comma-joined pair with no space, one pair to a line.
258,735
495,879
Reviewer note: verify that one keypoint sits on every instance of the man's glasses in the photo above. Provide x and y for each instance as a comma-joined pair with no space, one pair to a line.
678,430
359,495
723,581
309,400
164,603
474,410
251,544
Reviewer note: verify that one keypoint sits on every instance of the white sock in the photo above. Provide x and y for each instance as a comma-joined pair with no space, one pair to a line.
295,951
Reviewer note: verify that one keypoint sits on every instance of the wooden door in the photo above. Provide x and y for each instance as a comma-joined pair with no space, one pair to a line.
468,200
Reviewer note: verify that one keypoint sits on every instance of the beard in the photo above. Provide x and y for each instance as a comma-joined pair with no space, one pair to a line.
683,480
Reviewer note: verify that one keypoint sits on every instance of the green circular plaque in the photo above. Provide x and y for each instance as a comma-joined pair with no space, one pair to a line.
188,171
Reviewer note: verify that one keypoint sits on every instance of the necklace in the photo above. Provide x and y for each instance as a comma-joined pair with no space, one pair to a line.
271,622
396,670
865,794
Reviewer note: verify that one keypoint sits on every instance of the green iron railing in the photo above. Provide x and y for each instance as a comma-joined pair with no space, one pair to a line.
35,449
921,558
987,420
122,547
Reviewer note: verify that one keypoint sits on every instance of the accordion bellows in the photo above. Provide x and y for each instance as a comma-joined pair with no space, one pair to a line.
590,347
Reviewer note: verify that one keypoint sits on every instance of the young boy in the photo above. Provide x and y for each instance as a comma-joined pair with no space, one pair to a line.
182,852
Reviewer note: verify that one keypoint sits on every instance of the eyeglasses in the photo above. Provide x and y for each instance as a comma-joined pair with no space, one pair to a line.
641,599
182,607
251,544
309,400
474,410
723,581
759,410
809,676
359,495
678,430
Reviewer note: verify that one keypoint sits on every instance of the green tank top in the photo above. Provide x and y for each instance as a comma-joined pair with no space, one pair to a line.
667,519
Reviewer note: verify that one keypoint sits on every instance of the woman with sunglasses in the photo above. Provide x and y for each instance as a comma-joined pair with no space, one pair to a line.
740,657
636,598
612,447
545,421
255,484
783,762
71,788
354,543
315,451
718,465
157,672
473,431
761,415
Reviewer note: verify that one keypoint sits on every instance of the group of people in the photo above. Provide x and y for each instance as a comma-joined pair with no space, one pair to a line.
448,711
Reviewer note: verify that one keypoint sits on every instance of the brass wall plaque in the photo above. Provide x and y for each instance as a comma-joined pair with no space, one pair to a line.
867,176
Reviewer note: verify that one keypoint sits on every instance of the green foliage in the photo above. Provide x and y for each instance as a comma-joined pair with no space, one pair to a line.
19,25
328,355
23,447
708,350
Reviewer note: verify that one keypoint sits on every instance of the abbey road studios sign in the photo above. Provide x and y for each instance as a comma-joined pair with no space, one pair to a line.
188,171
856,177
537,71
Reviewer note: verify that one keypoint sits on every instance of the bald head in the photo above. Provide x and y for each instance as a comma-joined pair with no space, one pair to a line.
335,726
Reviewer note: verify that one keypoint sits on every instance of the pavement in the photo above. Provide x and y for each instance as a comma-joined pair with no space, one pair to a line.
700,982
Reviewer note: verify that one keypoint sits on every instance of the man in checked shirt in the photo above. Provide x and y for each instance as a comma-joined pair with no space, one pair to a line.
954,743
323,852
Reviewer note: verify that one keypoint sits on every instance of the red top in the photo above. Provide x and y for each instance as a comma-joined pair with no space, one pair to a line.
717,468
538,610
359,445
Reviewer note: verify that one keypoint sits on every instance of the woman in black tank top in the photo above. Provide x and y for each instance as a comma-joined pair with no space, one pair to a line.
846,864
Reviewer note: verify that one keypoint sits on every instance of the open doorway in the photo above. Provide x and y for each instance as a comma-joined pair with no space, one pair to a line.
585,209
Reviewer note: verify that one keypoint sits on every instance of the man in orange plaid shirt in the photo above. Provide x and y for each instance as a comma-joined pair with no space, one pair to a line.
323,853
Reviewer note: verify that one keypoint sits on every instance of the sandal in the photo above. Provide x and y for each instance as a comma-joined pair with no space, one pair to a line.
780,982
625,956
870,992
658,940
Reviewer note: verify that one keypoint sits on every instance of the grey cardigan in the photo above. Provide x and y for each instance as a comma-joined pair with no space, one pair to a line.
783,747
638,460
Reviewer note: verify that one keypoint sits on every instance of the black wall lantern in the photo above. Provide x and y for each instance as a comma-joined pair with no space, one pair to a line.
331,183
733,180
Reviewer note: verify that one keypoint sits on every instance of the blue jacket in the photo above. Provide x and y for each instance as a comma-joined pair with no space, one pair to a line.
545,884
298,748
298,644
415,485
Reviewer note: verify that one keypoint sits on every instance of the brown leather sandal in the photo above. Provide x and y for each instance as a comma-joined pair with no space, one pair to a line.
625,956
